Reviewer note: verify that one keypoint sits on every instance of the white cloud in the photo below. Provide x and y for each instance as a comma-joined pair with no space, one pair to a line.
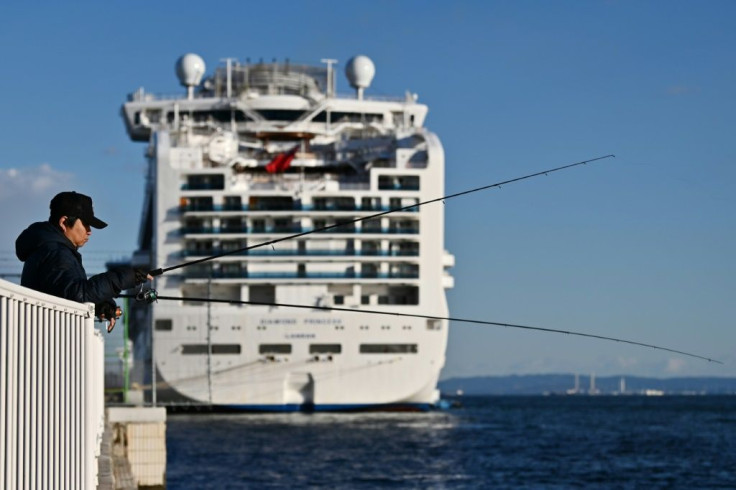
25,193
675,366
626,362
32,182
682,90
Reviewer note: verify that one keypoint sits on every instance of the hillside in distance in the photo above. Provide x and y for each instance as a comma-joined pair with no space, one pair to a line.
537,384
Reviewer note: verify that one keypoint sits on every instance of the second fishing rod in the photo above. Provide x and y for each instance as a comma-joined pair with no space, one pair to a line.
163,270
151,295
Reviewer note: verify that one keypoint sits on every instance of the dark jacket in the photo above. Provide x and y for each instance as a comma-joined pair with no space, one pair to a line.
52,265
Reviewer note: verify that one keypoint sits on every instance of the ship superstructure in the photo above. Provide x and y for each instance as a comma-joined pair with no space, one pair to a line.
261,151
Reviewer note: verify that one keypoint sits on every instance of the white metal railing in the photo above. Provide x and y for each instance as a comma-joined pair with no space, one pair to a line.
142,96
51,391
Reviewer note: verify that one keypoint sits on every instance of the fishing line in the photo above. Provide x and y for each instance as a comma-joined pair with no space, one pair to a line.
431,317
150,296
160,271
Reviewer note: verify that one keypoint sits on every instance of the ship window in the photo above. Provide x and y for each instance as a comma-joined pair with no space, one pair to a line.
220,116
203,247
232,203
334,203
281,114
154,116
336,117
278,203
262,294
405,248
400,203
325,348
201,349
339,299
398,182
188,349
405,295
198,204
205,182
283,225
371,247
226,348
259,225
164,325
233,270
344,226
371,226
230,245
369,270
365,299
418,160
274,349
403,226
404,271
232,225
203,116
388,348
370,203
434,325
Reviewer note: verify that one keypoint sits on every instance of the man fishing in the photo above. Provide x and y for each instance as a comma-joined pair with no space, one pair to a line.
53,264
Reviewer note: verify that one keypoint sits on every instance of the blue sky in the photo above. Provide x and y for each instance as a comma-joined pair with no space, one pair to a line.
640,247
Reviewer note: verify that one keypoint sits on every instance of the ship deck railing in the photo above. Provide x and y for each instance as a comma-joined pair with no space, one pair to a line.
142,96
273,184
51,391
299,275
305,253
293,229
295,207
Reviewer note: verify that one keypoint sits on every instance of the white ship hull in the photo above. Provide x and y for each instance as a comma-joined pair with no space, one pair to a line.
304,380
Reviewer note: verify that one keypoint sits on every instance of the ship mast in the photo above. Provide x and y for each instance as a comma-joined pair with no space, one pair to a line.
209,339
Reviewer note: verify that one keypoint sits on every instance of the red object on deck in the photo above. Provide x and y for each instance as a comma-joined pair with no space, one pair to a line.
282,161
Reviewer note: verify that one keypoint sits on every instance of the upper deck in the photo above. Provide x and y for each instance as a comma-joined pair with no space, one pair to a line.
269,101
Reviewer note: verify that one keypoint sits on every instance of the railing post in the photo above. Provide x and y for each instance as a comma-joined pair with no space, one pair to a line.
4,388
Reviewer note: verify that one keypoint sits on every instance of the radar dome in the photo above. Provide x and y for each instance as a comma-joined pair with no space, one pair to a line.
360,71
190,69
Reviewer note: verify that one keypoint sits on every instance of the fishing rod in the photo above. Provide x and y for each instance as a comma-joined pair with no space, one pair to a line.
160,271
151,295
141,297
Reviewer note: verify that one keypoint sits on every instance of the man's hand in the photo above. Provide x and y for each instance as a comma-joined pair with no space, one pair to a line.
141,276
108,311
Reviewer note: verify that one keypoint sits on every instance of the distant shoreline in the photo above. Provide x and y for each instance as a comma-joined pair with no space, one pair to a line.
565,384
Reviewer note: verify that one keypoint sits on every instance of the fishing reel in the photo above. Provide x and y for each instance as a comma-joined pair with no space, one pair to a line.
148,295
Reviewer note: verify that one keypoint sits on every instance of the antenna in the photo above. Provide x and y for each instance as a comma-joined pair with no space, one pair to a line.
330,76
229,71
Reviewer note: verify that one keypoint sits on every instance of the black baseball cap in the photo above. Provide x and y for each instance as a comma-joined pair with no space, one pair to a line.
75,205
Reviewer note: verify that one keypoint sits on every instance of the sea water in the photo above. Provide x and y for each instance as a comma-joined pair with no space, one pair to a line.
488,442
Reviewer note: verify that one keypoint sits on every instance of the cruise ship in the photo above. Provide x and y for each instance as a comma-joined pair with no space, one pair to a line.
253,154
